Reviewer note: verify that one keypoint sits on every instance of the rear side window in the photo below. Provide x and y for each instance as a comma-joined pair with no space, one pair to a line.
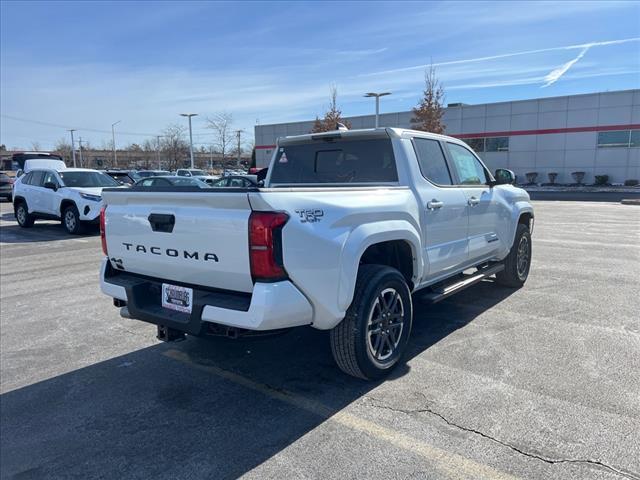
339,162
470,170
36,178
432,162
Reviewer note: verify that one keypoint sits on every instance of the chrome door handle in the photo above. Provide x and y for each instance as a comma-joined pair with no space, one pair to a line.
473,201
434,204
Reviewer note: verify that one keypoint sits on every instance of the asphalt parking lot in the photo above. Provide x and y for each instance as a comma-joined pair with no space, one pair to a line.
539,383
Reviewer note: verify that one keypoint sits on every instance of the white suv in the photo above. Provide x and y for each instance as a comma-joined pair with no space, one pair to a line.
71,195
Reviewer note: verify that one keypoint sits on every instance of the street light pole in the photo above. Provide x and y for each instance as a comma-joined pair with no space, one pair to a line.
158,150
377,97
238,132
73,149
189,115
113,139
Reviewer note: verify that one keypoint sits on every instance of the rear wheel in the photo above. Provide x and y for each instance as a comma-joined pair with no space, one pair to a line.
24,218
373,336
71,220
518,262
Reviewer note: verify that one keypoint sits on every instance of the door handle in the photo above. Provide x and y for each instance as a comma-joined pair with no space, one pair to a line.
434,204
473,201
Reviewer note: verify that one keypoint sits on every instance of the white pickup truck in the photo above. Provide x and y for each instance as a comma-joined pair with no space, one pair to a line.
348,225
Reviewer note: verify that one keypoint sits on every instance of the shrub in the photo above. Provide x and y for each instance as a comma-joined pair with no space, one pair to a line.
531,177
602,179
578,177
552,177
632,182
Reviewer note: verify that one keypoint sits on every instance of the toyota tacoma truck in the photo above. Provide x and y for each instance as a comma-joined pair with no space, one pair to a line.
348,225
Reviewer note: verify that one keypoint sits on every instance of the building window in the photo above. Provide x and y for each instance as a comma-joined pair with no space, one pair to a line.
497,144
617,138
477,144
635,138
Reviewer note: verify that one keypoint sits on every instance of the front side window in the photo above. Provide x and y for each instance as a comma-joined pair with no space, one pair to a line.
87,179
342,161
432,162
616,138
50,177
635,138
469,169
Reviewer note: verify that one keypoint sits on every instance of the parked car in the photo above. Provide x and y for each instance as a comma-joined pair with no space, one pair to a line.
196,173
171,181
124,177
152,173
6,186
349,226
72,195
244,181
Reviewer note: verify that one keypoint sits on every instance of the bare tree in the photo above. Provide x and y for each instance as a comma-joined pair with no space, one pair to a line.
64,149
332,117
174,146
427,115
222,125
35,146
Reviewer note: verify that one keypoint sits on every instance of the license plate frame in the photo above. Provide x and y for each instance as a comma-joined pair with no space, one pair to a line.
177,298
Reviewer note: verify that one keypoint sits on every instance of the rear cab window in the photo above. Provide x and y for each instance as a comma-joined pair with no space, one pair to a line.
335,162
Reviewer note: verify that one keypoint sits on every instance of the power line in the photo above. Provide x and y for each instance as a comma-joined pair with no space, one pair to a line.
67,127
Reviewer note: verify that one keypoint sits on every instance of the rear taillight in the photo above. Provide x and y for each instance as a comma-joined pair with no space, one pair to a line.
265,246
103,233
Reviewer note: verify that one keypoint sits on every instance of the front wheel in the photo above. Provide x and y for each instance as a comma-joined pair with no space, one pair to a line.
371,339
518,262
71,220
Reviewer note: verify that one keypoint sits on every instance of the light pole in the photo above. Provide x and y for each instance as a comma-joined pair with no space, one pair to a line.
113,139
377,96
238,132
73,149
158,149
189,115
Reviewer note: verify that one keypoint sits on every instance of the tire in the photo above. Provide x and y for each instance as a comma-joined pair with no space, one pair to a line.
71,220
356,348
518,262
23,217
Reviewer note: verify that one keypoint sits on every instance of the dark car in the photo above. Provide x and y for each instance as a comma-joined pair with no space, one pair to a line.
152,173
124,177
242,181
169,181
6,186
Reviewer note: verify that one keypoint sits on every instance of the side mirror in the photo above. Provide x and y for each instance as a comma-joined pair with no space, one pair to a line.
19,173
51,186
504,177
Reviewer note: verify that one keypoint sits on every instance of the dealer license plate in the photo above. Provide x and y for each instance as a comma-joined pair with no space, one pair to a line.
177,298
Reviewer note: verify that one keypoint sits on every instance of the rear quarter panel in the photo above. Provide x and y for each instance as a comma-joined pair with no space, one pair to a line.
327,233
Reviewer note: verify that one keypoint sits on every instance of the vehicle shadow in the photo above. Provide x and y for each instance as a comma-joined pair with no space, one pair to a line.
40,232
197,409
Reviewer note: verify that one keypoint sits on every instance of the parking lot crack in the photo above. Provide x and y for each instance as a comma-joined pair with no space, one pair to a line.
373,402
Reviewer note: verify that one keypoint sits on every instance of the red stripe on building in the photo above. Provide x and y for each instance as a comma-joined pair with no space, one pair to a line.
513,133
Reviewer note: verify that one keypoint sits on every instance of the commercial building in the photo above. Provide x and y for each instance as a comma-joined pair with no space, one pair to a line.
598,134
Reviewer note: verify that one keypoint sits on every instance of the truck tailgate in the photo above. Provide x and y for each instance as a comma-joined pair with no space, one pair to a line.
187,237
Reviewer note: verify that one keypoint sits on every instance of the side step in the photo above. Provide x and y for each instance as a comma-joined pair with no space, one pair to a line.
443,291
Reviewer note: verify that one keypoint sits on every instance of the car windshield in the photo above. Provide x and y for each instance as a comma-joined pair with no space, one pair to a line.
188,182
197,172
145,174
87,179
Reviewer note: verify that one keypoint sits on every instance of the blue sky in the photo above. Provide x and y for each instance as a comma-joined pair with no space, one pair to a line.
87,65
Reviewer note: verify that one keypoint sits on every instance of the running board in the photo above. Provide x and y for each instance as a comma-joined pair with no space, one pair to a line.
444,291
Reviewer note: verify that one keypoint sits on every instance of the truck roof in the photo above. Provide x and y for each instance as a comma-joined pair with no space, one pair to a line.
363,133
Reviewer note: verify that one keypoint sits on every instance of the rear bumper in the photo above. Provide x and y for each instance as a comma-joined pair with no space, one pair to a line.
271,306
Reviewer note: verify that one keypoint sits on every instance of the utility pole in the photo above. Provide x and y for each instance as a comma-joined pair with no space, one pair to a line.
113,139
377,97
189,115
80,145
73,148
211,157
